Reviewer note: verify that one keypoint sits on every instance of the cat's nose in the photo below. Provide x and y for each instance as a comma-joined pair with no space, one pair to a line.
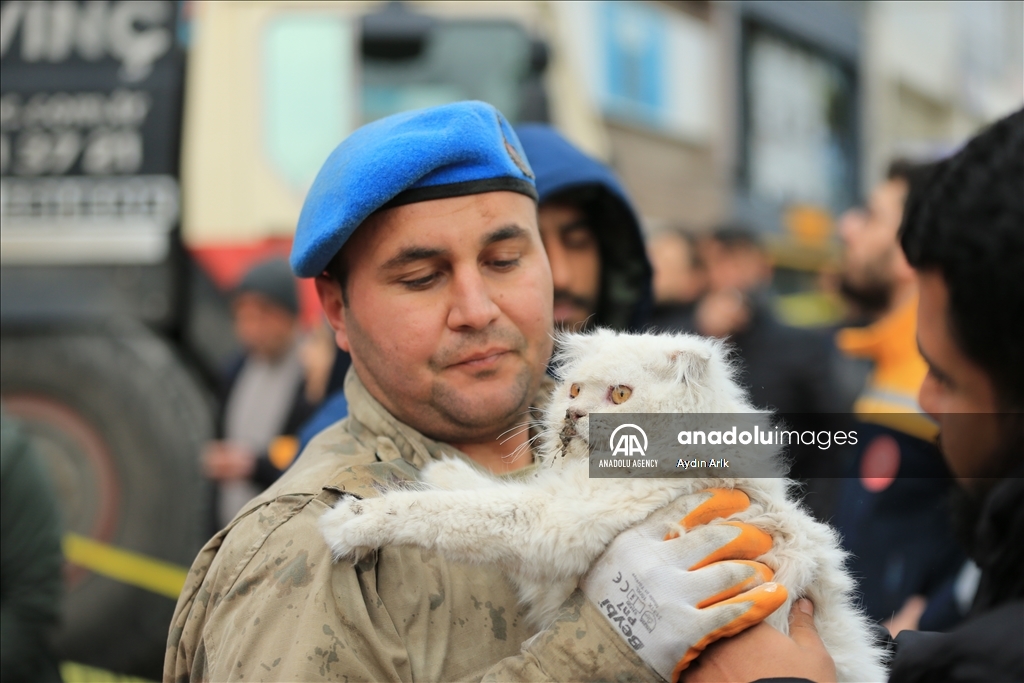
574,414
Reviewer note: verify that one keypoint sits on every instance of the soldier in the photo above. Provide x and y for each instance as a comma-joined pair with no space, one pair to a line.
421,231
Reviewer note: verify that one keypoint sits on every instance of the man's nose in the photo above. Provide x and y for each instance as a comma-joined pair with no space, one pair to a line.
472,306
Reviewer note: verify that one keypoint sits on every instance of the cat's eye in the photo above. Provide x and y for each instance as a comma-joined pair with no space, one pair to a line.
620,394
574,391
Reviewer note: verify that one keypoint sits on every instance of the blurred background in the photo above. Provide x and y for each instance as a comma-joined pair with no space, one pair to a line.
152,152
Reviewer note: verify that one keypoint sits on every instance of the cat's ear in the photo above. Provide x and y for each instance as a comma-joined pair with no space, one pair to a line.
570,347
690,365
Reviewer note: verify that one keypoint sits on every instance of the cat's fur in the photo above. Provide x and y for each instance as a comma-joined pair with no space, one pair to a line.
546,531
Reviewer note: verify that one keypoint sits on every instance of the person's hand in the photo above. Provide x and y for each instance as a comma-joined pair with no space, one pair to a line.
722,313
672,594
909,616
227,461
763,652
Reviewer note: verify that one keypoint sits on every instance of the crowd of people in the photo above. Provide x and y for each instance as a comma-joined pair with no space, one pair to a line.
442,281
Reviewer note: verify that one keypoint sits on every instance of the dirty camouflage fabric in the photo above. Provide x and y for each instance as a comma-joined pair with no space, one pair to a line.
264,602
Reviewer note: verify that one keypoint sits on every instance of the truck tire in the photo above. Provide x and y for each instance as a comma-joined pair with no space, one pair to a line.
120,423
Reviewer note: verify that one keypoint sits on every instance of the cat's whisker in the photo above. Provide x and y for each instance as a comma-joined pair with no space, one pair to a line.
518,429
521,448
512,436
518,451
514,455
531,409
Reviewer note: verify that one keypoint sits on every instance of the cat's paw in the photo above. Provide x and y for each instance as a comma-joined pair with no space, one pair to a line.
452,474
354,528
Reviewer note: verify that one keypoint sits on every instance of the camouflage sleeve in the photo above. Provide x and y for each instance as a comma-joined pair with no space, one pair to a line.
580,646
273,607
182,640
266,603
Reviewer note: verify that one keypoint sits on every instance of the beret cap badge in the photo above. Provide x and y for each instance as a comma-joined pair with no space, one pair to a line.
518,161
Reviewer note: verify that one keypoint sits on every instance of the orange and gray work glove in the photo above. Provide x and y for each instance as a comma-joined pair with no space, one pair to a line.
672,594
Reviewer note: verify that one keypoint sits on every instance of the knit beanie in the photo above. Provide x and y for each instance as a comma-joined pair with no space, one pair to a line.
273,280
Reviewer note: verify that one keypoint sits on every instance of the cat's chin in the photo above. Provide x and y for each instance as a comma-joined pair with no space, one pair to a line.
576,448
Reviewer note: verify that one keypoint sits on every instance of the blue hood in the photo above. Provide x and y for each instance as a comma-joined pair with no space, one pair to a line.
559,167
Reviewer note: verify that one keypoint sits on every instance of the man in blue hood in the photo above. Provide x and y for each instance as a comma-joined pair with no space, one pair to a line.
592,236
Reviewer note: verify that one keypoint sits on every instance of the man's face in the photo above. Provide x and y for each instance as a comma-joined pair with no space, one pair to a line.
872,258
956,391
575,259
448,313
734,267
264,329
676,277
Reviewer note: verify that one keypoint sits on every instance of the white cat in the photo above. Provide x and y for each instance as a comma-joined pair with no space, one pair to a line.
547,530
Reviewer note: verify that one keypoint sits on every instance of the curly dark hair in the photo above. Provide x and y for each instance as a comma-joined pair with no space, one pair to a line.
913,173
966,221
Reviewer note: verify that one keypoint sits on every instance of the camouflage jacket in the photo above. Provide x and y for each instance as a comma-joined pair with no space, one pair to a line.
264,602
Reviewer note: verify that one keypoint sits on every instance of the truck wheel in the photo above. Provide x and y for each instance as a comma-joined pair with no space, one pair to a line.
119,422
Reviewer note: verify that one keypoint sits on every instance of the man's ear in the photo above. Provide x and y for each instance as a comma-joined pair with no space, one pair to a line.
333,304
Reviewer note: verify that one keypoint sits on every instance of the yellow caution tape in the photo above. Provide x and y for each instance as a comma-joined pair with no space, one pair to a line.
125,566
73,672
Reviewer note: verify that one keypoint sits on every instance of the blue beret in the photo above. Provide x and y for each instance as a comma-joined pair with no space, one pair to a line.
448,151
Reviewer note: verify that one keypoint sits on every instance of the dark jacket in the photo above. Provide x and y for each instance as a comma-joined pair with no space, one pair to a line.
626,299
304,421
787,369
899,533
989,646
793,371
301,410
266,472
30,561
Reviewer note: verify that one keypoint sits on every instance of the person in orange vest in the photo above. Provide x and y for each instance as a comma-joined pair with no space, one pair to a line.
892,505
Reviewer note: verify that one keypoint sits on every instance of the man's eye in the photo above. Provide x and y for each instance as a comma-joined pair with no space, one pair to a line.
578,238
505,264
420,282
940,378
